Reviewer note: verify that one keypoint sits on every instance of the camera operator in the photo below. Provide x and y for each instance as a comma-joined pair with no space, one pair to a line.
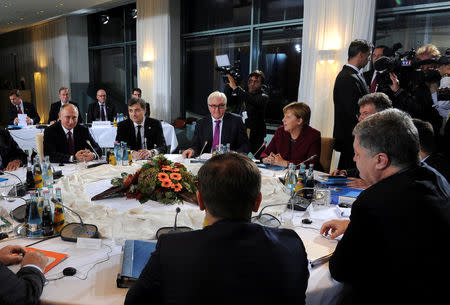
251,105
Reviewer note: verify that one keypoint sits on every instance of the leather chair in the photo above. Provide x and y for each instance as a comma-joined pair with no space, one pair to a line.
326,153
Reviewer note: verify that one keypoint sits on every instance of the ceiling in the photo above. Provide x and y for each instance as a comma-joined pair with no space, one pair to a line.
16,14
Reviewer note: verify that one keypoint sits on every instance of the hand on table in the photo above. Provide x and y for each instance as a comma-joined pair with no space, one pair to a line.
357,183
141,154
36,258
187,153
13,165
84,155
339,172
275,159
336,226
10,255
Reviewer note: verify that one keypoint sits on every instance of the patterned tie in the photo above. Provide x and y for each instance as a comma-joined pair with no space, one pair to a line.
373,85
102,113
71,144
216,138
139,138
19,110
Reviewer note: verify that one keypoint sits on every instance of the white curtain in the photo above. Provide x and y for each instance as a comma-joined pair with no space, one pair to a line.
50,53
153,56
328,28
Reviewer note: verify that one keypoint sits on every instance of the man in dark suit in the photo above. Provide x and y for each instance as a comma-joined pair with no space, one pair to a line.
11,156
137,93
26,286
227,128
66,141
64,99
348,89
18,106
230,261
393,250
428,153
101,110
144,136
370,76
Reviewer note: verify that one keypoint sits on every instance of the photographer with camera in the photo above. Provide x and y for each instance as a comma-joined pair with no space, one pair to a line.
251,105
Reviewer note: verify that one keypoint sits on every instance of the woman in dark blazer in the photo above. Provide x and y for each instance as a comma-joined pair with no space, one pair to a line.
295,141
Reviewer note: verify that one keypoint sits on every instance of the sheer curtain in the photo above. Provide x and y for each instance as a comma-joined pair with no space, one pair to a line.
154,56
328,28
50,57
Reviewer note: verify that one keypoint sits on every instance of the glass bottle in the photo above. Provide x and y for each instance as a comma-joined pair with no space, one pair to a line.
59,220
123,146
47,217
37,173
291,179
40,200
301,178
309,193
34,219
49,170
30,177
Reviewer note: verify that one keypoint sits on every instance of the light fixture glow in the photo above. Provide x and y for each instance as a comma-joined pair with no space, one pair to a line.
104,19
134,13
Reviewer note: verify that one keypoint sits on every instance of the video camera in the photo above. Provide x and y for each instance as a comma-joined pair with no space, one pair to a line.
224,66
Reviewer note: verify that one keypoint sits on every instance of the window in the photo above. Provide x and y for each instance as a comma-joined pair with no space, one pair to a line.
112,54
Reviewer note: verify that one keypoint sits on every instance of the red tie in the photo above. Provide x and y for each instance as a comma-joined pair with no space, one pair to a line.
373,85
71,145
19,110
216,138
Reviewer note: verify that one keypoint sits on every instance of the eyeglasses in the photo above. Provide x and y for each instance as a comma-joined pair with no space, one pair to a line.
220,106
101,95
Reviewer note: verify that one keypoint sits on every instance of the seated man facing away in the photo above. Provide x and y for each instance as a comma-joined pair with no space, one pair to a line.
66,141
394,247
427,150
368,105
11,156
219,128
144,136
26,286
231,261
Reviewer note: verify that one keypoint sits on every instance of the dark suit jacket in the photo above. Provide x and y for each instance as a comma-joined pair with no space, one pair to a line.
393,251
307,145
440,163
54,111
348,89
94,111
23,288
152,130
368,77
229,262
9,150
233,132
57,148
29,109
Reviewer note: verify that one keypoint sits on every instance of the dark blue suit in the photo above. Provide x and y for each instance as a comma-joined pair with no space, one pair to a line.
233,132
229,262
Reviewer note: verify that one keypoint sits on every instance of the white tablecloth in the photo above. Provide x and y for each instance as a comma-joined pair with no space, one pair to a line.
127,219
104,136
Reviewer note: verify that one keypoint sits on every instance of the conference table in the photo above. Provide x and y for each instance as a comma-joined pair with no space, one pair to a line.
103,135
119,219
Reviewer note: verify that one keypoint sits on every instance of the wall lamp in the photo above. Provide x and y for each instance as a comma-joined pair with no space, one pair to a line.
104,19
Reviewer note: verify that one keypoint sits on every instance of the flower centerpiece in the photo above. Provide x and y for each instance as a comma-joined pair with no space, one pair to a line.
160,179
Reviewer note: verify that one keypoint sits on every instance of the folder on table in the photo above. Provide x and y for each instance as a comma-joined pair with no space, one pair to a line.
135,256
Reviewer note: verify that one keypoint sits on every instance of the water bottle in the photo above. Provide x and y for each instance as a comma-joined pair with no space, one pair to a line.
117,153
49,169
47,217
309,193
123,148
291,179
34,219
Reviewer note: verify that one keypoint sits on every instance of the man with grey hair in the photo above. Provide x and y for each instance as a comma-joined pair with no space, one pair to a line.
392,250
220,128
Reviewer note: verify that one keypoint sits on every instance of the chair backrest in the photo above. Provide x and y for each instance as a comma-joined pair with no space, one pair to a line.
326,153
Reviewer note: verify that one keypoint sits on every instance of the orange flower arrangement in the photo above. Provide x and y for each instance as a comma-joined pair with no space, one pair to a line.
159,180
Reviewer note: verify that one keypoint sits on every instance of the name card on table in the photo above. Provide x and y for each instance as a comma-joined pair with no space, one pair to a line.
89,243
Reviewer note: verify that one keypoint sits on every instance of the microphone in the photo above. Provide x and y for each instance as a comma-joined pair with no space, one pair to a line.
93,150
312,158
263,144
174,229
201,152
74,230
21,188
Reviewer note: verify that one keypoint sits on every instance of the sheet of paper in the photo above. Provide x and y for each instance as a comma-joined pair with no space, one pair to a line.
22,119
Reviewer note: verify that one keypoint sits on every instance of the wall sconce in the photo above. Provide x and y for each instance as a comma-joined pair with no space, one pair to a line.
104,19
145,64
328,55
